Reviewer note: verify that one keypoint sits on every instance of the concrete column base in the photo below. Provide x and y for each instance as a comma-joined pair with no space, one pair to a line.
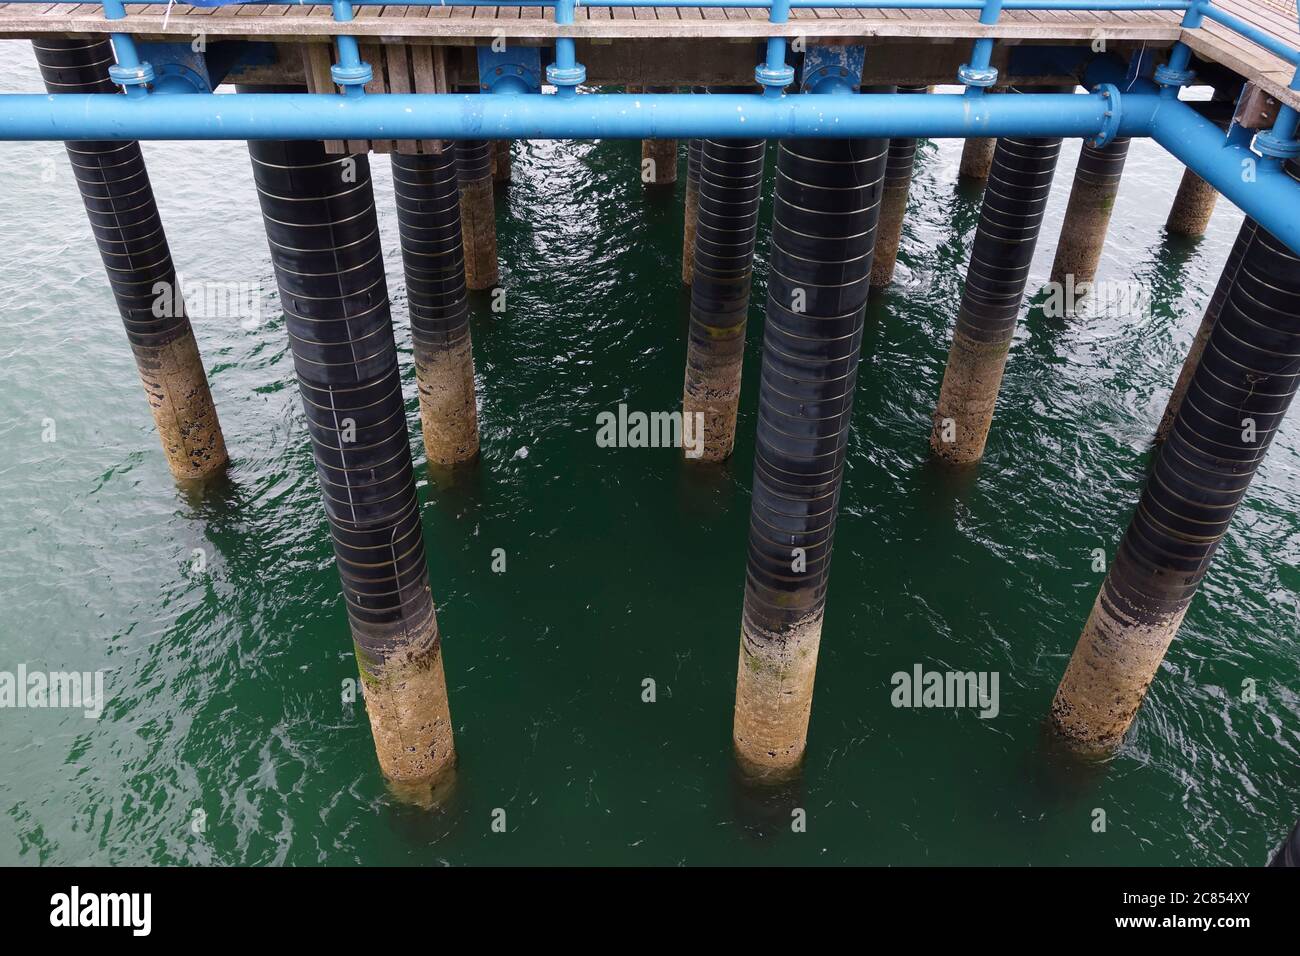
1193,206
967,398
662,154
889,232
774,692
977,158
406,701
712,389
501,161
448,411
1109,673
177,389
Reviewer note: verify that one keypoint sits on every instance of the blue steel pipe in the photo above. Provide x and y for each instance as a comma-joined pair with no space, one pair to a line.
349,60
1270,197
235,116
128,60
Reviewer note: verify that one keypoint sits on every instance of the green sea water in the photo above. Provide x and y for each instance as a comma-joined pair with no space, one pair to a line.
225,739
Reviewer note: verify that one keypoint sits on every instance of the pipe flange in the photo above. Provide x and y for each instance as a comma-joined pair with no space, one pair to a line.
1165,75
1270,143
771,79
981,77
573,76
1110,125
141,75
346,76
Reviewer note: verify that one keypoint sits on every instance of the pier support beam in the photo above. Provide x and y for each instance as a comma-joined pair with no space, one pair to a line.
659,156
893,203
823,232
319,213
1010,220
1190,214
1087,217
501,161
691,209
428,218
1238,395
116,191
1211,316
478,218
731,182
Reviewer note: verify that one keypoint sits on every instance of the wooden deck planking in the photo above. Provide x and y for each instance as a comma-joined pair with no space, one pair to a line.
649,21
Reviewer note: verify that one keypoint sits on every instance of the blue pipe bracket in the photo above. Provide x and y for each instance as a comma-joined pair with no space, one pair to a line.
178,68
1109,92
350,72
516,69
774,74
831,68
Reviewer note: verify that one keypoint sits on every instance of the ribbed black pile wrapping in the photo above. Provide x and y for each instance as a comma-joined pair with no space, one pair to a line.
1010,219
319,213
428,218
1104,167
114,186
902,152
826,206
1246,379
474,159
731,184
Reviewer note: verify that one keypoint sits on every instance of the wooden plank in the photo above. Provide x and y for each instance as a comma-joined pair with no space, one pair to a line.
398,70
372,53
435,23
1266,18
1273,75
223,13
316,61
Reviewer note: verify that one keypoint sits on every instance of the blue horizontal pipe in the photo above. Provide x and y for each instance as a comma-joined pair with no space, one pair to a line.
1268,195
242,116
1271,198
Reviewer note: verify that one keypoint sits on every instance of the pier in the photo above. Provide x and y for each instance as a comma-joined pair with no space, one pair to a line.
833,98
